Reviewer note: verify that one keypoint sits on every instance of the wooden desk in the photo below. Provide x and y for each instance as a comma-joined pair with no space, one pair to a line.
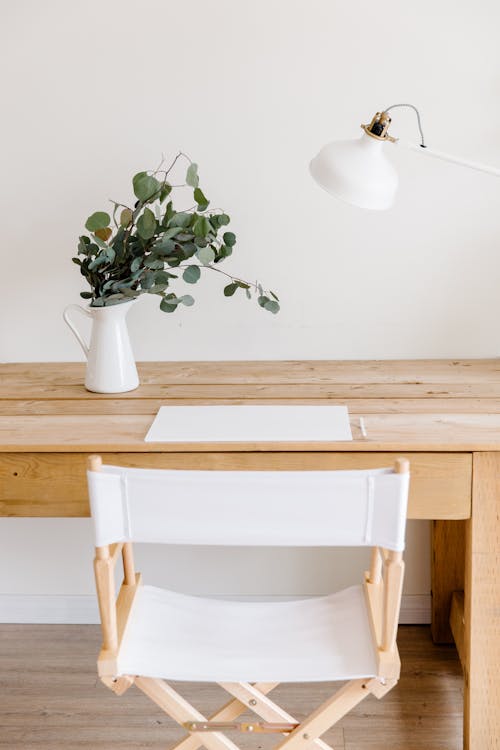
444,415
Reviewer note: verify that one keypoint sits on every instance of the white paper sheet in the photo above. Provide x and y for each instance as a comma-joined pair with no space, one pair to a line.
230,424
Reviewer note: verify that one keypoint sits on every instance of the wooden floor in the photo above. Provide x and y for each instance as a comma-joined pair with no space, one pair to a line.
50,699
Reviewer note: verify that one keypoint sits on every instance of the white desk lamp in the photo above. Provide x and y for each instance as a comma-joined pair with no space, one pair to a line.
359,171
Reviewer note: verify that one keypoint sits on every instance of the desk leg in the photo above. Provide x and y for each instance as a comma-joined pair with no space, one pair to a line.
482,608
448,555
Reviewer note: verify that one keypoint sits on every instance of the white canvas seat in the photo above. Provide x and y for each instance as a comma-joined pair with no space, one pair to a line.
179,637
151,635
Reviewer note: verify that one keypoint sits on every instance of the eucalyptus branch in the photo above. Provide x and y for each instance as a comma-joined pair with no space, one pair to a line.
116,203
162,161
116,206
181,153
210,267
153,239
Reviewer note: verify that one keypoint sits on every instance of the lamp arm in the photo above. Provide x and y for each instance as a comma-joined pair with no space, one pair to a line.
419,121
440,154
477,166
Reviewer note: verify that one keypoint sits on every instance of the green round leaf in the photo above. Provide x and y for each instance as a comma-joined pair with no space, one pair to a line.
230,289
165,191
145,186
191,274
186,299
99,261
225,251
188,249
83,246
162,277
98,220
154,263
136,264
229,239
272,306
180,219
171,233
205,255
200,199
125,217
192,178
147,280
169,303
146,224
165,247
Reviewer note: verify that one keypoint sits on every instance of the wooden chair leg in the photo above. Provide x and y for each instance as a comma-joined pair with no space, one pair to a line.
254,696
326,715
105,584
378,688
263,706
119,685
181,711
228,712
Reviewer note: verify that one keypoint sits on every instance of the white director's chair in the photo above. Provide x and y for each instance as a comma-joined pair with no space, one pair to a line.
150,634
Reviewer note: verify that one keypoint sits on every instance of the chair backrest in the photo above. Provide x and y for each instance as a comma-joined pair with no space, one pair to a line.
277,508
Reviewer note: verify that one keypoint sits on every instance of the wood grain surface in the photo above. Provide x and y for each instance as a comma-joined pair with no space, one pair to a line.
482,608
420,405
55,484
50,699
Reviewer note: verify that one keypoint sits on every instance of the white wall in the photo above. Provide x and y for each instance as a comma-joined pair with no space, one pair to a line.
95,91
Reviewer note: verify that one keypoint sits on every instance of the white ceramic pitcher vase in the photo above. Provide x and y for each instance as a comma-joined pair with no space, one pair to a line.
110,360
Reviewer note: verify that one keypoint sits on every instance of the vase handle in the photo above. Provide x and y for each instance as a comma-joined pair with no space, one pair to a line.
67,319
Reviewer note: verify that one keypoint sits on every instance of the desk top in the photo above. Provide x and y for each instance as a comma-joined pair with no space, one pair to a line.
407,405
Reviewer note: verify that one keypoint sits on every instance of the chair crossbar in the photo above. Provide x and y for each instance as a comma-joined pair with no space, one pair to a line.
229,711
241,726
251,697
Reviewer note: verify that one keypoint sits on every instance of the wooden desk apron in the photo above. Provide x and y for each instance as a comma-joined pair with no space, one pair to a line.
54,484
444,415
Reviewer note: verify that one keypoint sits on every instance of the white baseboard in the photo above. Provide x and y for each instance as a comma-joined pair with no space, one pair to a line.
82,609
415,610
49,609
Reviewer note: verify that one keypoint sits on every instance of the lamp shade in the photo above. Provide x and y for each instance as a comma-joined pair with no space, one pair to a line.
357,171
